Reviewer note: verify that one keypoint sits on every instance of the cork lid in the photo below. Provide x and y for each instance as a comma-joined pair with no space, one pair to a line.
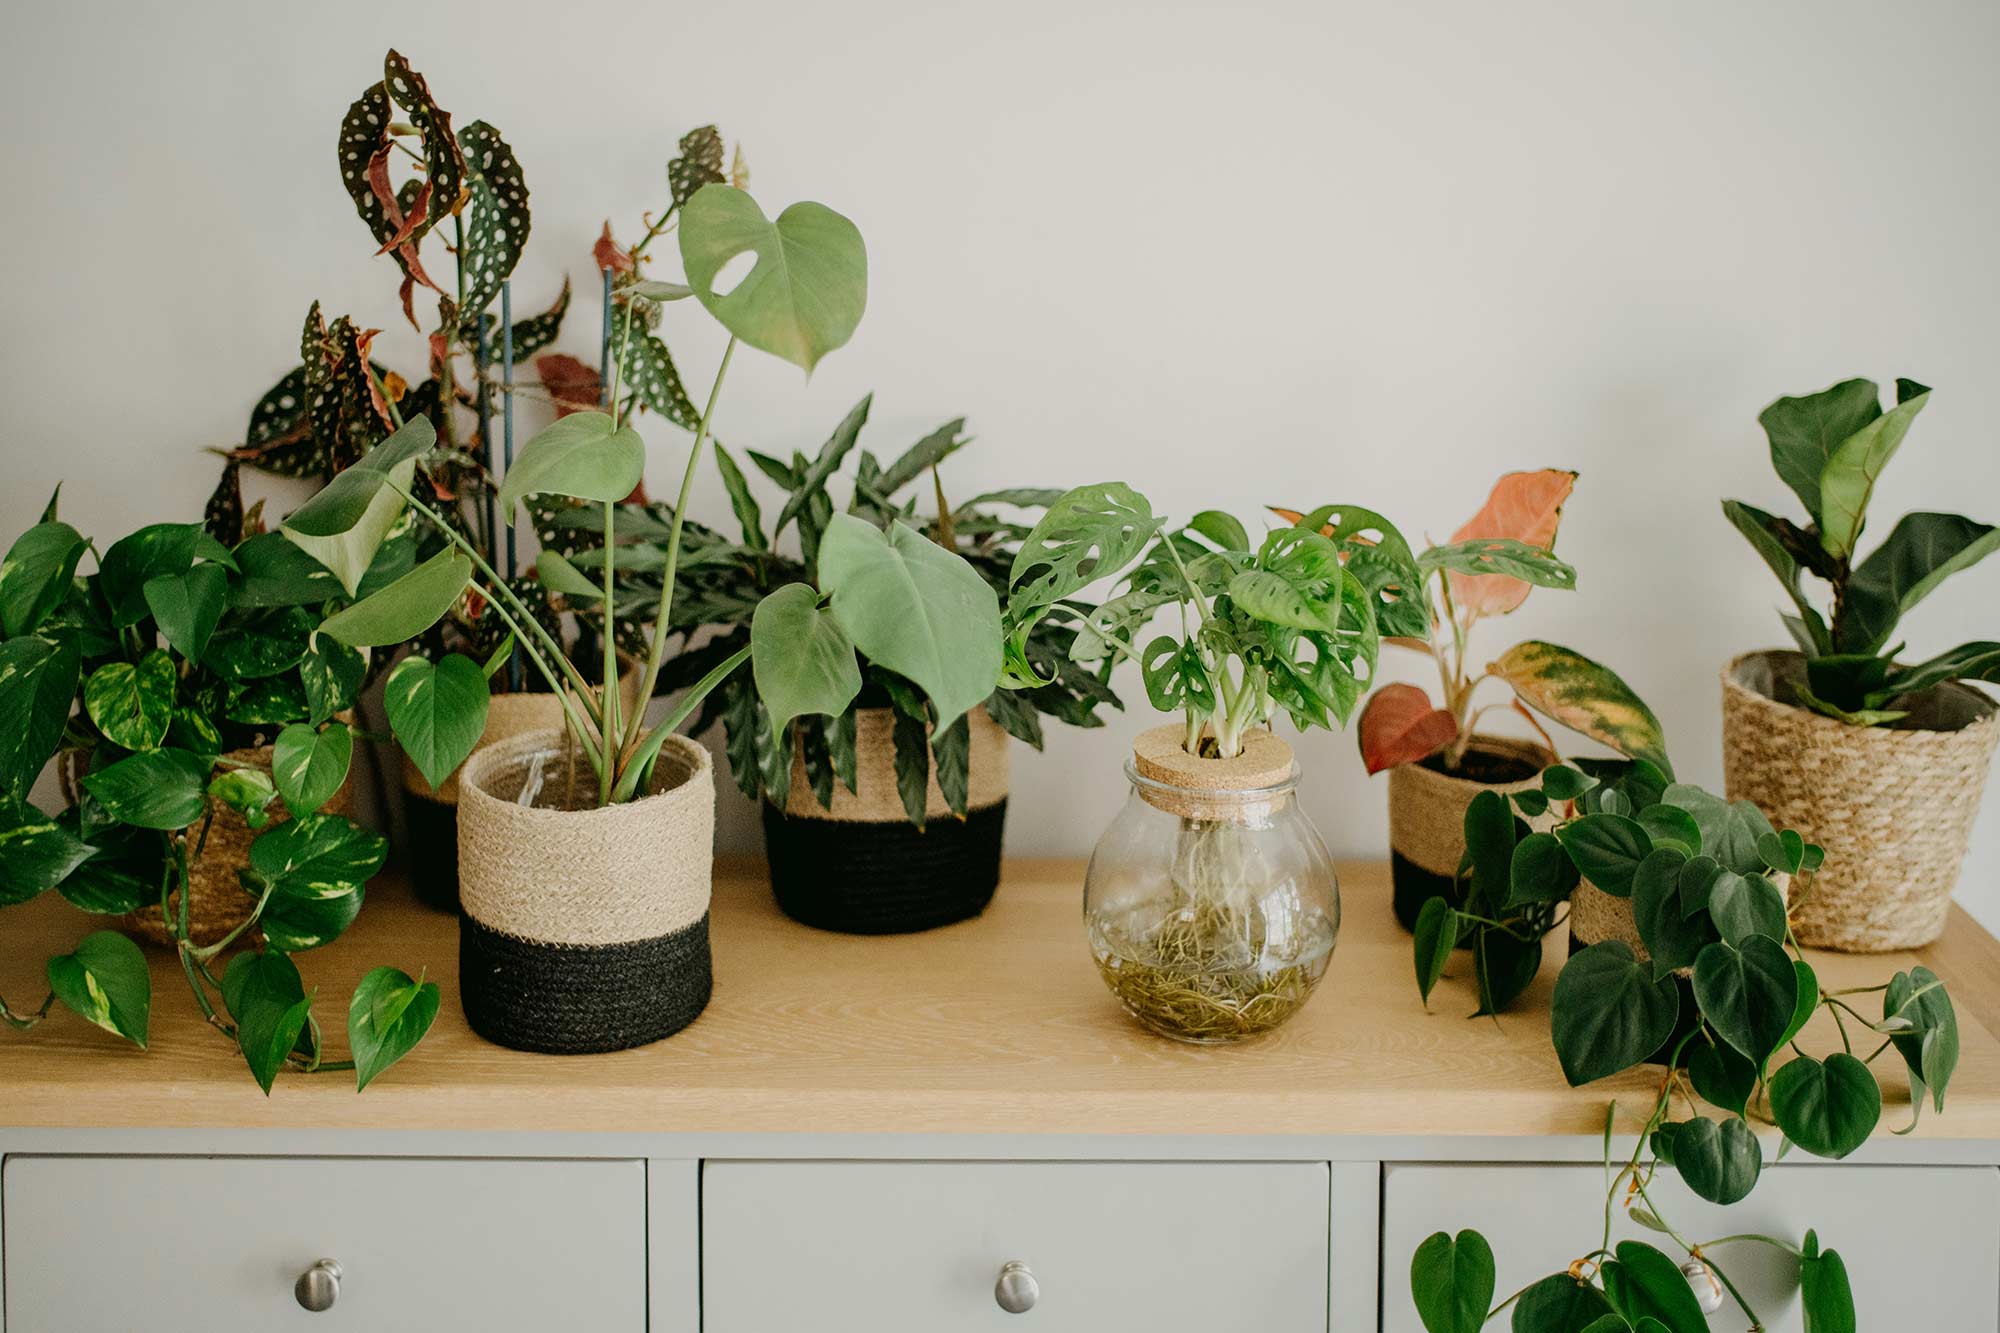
1158,757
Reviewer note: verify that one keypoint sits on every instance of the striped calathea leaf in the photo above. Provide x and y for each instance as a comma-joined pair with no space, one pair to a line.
1584,696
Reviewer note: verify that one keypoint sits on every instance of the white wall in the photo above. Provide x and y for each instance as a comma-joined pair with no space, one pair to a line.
1235,254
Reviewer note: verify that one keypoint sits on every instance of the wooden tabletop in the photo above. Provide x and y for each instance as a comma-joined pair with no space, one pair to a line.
994,1025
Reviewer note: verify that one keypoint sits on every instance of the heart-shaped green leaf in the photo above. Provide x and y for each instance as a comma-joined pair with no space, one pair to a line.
1824,1292
132,703
1805,431
37,686
1559,1303
1671,826
1722,1076
1490,840
1747,994
269,1003
803,659
309,765
188,606
388,1016
1729,830
36,852
1607,849
35,577
407,607
317,856
120,872
1746,905
914,608
1806,1002
1719,1159
107,982
584,455
1783,851
298,924
278,572
1609,1012
1697,881
1451,1280
808,288
162,548
158,789
438,711
1436,937
1828,1107
331,673
1673,939
1540,871
1644,1284
1930,1048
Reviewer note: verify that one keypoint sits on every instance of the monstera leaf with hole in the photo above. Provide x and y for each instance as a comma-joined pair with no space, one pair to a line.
804,295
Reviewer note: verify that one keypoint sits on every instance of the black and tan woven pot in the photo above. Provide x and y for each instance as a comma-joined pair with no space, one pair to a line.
862,867
1427,822
217,903
586,929
431,813
1893,806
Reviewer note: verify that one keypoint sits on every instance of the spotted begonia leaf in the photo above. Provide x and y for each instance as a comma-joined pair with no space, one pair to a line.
444,163
699,164
649,368
497,220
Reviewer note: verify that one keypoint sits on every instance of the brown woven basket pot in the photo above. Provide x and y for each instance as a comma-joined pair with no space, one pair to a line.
861,867
1893,806
217,903
431,813
583,929
1427,822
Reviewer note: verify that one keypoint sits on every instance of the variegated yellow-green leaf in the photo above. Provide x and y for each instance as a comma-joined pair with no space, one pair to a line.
1584,696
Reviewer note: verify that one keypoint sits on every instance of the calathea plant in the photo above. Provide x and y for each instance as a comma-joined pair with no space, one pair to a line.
182,653
1722,992
801,299
1830,448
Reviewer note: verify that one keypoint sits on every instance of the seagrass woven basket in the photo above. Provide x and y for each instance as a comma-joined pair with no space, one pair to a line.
1427,822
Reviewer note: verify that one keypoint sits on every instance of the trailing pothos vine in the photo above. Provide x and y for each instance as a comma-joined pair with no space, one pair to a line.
1716,993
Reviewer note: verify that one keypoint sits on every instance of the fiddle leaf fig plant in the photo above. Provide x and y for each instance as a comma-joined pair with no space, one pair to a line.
1830,448
155,675
1487,569
593,460
1723,994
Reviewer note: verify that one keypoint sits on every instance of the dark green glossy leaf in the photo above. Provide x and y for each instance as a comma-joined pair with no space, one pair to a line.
1644,1284
1607,849
1671,826
1436,936
317,856
37,686
1540,870
271,644
331,673
1697,882
308,764
132,703
163,548
106,982
120,873
1489,846
1931,1049
438,711
1747,994
1451,1281
1807,1001
1784,851
36,852
1560,782
1729,831
1559,1304
1673,939
1746,905
1609,1012
159,789
1782,546
269,1003
951,755
295,925
1503,966
277,573
1828,1107
1719,1159
35,577
1824,1293
188,606
388,1016
1805,432
1722,1076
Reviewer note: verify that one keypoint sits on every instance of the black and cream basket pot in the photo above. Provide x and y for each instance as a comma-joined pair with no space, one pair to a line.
582,929
862,867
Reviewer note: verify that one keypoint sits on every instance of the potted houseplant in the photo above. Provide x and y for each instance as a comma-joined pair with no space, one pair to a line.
1883,763
585,853
1713,986
1437,757
886,816
1211,903
211,761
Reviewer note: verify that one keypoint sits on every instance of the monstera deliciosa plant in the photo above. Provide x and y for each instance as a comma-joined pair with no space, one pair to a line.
1724,993
1830,448
157,672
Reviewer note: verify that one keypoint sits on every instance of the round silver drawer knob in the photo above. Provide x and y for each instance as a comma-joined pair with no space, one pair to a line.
1016,1291
1707,1291
319,1286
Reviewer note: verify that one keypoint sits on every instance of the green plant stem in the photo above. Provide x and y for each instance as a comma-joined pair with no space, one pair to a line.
206,952
614,744
22,1022
1834,1007
664,613
655,230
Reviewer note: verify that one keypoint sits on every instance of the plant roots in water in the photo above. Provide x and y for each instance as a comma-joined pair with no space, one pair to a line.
1189,975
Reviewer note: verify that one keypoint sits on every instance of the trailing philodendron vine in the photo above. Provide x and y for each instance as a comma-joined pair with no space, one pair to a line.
153,675
1830,448
1720,1003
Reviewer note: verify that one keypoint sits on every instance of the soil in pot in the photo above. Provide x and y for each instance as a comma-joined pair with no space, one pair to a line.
1427,804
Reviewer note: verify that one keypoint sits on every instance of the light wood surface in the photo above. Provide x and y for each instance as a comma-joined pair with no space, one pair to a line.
995,1025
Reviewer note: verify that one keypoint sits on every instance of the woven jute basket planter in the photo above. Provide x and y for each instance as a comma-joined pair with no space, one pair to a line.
431,813
217,903
1427,822
862,867
1893,806
583,929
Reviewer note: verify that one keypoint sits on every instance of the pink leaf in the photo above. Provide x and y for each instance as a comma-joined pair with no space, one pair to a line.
1526,507
1400,726
608,255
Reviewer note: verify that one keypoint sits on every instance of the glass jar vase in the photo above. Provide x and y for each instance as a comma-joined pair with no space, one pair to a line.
1211,902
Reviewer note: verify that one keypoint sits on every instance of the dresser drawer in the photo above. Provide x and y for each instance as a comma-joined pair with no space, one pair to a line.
918,1247
1921,1242
168,1244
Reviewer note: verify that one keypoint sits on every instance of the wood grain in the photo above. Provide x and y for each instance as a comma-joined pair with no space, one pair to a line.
994,1025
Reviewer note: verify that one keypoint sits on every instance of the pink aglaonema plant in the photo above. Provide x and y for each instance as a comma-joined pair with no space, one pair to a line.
1487,569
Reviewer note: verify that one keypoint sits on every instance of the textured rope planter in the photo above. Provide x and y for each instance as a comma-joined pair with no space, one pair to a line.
862,867
1893,806
1427,822
217,903
583,929
431,813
